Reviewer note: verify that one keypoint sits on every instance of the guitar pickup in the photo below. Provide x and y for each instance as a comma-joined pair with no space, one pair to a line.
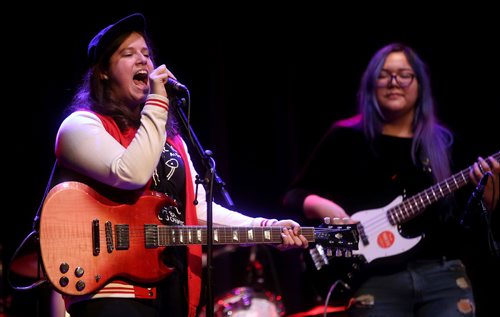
122,237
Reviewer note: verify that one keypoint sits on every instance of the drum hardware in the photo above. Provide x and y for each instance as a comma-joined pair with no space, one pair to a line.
251,300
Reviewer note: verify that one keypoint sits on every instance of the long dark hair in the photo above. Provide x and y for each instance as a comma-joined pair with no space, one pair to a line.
94,93
432,140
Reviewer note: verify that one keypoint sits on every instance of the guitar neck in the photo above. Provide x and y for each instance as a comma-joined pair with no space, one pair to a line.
159,235
414,205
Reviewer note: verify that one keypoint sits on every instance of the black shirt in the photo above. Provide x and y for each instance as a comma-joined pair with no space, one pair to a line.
359,175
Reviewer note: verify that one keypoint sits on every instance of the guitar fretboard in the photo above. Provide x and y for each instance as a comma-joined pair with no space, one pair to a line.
183,235
412,206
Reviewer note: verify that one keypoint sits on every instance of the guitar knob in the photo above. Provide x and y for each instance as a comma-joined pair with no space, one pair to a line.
338,252
79,271
327,220
337,221
348,253
63,281
80,285
64,267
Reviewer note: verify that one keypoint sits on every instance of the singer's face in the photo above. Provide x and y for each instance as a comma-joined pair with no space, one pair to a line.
397,89
129,68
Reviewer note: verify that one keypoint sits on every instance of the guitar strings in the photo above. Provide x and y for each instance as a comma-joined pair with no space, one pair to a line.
409,208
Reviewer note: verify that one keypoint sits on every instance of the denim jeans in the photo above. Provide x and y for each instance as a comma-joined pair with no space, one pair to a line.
429,288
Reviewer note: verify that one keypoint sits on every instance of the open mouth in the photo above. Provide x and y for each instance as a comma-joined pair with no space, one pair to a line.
141,77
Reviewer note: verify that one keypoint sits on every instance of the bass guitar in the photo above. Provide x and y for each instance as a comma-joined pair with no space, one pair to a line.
379,229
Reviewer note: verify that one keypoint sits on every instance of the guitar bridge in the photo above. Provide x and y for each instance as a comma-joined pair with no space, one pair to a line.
96,243
319,257
108,227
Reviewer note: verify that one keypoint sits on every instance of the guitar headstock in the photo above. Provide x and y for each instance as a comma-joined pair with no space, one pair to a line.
335,237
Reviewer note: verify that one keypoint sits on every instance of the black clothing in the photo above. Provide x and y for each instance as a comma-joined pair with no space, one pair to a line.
344,169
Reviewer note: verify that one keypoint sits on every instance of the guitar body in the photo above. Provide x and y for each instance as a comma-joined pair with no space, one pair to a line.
66,231
381,238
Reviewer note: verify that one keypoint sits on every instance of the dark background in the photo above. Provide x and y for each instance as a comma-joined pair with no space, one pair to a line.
265,84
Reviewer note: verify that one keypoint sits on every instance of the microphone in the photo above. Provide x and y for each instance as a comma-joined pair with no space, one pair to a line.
474,199
174,85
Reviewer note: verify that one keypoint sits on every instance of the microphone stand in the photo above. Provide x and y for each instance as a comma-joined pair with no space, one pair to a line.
211,177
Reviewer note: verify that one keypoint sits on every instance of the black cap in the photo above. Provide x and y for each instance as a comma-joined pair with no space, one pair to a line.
133,22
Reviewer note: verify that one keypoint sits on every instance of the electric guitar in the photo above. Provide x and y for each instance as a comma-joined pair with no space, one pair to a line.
87,240
379,229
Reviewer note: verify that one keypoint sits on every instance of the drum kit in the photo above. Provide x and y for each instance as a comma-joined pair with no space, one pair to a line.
249,300
254,299
26,266
336,238
244,301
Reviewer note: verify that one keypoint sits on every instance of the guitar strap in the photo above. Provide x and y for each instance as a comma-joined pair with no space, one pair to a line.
194,251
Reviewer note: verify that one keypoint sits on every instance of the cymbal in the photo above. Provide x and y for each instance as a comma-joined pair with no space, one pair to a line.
25,262
26,265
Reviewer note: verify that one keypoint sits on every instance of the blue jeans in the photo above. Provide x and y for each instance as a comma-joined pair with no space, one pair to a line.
427,288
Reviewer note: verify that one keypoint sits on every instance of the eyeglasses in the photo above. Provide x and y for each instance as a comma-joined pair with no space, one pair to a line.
403,79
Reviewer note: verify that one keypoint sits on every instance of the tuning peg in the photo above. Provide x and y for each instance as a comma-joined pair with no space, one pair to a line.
318,256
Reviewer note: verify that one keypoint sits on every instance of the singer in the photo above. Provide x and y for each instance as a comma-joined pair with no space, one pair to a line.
121,139
395,145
